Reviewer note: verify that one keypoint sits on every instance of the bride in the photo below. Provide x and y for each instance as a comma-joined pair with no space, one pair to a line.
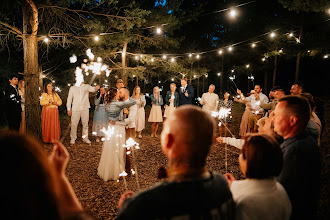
113,156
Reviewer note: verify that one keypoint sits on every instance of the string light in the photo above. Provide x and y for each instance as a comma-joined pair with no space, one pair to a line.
219,74
164,57
272,34
136,57
158,30
172,79
96,38
152,59
172,59
206,75
291,35
232,71
325,56
280,51
232,13
198,56
263,59
190,55
194,76
46,40
247,66
230,48
253,45
220,52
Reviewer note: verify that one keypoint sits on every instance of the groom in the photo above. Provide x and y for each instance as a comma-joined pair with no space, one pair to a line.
186,93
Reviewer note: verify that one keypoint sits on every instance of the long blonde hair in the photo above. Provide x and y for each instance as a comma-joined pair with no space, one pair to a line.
134,92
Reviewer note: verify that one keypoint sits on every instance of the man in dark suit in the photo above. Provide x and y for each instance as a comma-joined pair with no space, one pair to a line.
13,100
186,93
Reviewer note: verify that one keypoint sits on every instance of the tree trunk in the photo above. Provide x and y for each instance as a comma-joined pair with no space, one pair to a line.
275,67
298,56
123,63
221,78
31,68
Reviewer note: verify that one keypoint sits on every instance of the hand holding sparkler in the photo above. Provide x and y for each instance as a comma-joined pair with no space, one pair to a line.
230,178
220,140
123,197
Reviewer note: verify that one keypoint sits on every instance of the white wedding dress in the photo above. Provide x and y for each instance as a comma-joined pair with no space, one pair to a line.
113,157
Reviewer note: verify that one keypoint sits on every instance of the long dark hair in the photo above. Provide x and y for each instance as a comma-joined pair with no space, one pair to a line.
45,88
29,188
98,95
111,94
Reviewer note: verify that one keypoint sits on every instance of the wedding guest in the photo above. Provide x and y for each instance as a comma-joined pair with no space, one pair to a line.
100,115
210,100
314,126
36,187
260,196
278,93
50,121
78,108
140,112
155,116
21,91
225,104
265,126
120,84
171,100
301,156
253,101
186,93
297,88
131,117
13,102
189,192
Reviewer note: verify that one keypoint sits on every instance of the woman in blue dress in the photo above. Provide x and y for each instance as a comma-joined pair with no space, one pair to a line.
100,115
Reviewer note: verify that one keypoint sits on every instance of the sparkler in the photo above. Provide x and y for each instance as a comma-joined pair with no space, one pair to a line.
132,145
222,114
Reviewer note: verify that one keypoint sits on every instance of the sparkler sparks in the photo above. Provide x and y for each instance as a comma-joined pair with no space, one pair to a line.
108,132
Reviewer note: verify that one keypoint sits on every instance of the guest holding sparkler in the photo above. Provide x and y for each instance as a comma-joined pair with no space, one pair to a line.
186,93
265,126
36,182
225,104
78,108
171,100
253,102
100,115
210,100
260,196
300,174
189,192
140,121
50,121
155,116
113,156
278,93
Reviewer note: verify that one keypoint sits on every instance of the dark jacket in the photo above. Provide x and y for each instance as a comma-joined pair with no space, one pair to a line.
186,100
14,109
300,174
176,98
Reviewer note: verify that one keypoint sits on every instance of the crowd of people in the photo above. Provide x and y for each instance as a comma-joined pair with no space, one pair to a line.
279,157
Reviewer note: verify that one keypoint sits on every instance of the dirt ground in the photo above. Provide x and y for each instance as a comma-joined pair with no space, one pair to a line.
100,198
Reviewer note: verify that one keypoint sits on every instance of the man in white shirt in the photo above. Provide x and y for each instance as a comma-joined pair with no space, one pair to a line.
210,100
253,103
78,108
130,120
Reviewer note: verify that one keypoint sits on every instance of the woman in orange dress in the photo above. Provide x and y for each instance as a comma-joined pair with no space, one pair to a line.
50,121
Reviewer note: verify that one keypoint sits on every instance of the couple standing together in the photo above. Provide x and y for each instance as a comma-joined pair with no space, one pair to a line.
113,159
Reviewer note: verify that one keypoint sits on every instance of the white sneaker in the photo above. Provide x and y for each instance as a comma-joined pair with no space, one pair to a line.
72,142
87,141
